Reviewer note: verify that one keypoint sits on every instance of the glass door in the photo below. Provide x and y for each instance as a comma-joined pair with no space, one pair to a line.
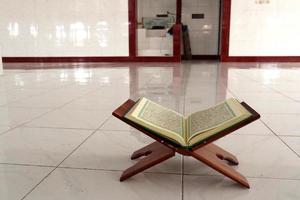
155,20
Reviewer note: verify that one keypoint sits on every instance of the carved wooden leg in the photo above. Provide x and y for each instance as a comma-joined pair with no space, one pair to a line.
145,150
154,153
223,154
214,157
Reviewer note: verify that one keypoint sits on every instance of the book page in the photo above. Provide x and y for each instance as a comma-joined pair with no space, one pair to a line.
162,118
208,119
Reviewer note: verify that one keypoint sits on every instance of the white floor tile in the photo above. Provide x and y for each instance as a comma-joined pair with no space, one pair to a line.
283,124
259,156
4,129
293,142
42,85
255,128
5,100
276,107
72,91
42,101
39,146
286,87
94,185
249,88
294,95
80,100
68,118
16,116
215,187
97,102
257,97
115,124
112,151
17,181
10,96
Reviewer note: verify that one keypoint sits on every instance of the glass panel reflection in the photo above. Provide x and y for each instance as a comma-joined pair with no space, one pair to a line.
155,22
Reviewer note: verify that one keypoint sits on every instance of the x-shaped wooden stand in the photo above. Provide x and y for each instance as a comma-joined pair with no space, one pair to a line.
207,152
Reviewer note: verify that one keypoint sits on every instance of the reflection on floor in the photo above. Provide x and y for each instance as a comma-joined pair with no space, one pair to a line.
59,141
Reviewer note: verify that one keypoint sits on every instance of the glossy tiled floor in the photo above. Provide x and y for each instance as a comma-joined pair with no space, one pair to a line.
59,141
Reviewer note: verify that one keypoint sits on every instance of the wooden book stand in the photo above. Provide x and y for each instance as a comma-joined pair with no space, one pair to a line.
206,152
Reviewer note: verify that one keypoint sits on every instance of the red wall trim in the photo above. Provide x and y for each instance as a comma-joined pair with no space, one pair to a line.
225,28
60,65
262,59
64,59
178,11
89,59
132,20
177,31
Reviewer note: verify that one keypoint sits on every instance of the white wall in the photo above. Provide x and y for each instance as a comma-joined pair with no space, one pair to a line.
268,29
64,28
204,33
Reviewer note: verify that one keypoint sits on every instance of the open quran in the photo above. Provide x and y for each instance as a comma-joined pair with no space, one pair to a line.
190,130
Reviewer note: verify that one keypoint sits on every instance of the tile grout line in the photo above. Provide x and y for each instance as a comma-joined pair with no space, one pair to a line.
273,132
280,139
294,136
89,136
63,128
253,177
34,95
37,117
83,168
22,124
119,170
43,114
30,96
268,126
27,165
146,172
273,89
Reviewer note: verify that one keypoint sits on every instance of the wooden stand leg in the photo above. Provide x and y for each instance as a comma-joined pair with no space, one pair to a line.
145,151
154,153
214,157
223,154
